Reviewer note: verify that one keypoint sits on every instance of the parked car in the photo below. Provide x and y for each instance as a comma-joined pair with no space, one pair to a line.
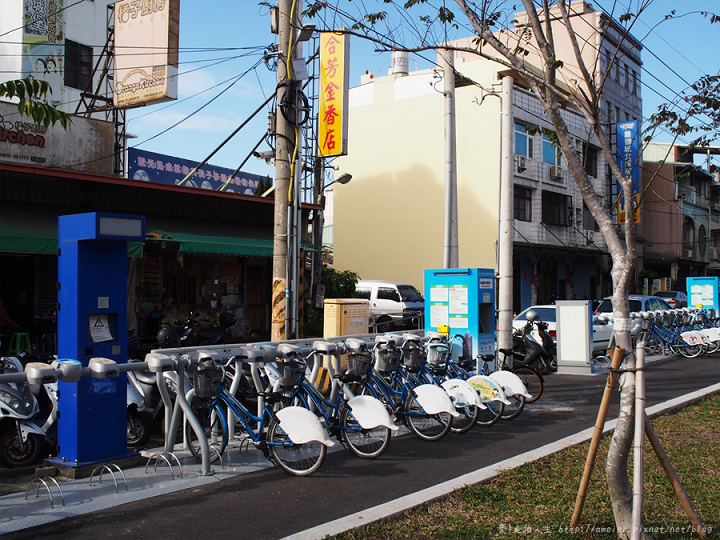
675,299
637,303
392,305
602,330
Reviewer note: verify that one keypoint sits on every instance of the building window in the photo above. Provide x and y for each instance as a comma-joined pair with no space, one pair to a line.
589,223
555,209
523,141
617,72
688,234
590,158
609,112
78,65
523,203
627,76
551,153
634,83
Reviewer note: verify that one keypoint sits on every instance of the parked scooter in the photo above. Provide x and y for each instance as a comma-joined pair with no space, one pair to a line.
21,439
168,337
151,414
529,350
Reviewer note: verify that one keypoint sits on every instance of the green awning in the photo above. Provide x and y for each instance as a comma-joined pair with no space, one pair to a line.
217,245
33,238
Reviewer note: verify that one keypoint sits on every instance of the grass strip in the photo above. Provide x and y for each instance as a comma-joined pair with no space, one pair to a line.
537,499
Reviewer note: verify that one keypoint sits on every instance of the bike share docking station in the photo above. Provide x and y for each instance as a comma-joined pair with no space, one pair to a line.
463,301
92,328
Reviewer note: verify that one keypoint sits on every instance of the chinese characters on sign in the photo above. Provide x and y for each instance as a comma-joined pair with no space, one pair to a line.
332,116
628,161
146,51
152,167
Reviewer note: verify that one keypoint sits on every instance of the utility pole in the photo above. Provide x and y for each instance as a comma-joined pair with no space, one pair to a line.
284,149
450,259
505,229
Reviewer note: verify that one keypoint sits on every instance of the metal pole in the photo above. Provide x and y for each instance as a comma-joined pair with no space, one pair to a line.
451,214
639,444
505,232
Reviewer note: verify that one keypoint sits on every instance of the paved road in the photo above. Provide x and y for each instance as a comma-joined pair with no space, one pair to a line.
269,504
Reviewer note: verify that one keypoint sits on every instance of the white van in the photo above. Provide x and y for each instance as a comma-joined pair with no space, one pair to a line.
392,305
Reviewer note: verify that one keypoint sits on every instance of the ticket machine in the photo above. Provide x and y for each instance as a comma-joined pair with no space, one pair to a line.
92,328
463,301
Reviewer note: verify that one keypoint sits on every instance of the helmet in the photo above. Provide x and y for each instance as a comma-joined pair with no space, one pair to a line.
531,315
168,338
227,319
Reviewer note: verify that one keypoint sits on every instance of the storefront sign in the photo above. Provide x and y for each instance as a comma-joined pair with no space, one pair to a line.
86,146
332,116
44,44
147,35
152,167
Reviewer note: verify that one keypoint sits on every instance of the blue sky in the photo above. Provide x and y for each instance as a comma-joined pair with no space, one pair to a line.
232,33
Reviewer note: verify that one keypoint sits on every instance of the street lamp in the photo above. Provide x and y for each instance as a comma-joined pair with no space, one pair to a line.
342,179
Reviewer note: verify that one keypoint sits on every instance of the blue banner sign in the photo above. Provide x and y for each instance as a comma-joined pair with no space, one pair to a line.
628,145
152,167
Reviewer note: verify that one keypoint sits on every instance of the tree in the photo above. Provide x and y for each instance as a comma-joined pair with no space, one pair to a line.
31,94
550,84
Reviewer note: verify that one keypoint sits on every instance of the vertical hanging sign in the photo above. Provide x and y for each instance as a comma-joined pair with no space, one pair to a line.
332,115
628,157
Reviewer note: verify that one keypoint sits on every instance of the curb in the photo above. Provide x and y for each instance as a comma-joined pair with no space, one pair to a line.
391,509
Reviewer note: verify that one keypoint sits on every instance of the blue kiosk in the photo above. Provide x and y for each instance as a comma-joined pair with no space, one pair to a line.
92,324
703,292
463,301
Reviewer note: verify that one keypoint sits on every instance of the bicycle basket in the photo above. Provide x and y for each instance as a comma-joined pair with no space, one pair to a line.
437,353
413,355
291,372
386,360
358,364
206,380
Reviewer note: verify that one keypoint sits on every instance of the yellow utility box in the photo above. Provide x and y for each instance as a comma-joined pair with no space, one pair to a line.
346,317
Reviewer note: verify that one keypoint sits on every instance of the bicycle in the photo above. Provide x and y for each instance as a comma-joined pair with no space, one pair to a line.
491,393
359,422
432,359
425,408
291,437
516,395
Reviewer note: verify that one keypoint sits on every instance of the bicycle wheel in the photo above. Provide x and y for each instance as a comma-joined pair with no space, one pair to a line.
296,459
467,419
652,346
365,443
532,381
517,404
214,428
687,350
429,427
490,415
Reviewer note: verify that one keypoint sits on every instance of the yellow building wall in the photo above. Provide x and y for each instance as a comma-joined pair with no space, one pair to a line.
389,222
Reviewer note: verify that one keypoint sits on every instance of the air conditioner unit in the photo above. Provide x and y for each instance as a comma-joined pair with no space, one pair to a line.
521,164
714,254
590,235
716,206
689,253
555,173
